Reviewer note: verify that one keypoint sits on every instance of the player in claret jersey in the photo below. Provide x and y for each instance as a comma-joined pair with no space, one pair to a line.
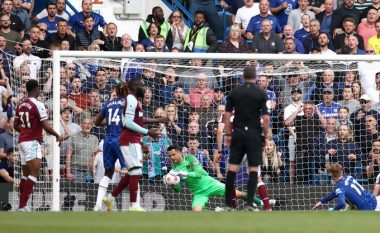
30,119
129,141
196,178
112,113
348,190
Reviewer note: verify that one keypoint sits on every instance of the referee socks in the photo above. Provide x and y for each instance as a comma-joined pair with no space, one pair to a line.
252,185
230,197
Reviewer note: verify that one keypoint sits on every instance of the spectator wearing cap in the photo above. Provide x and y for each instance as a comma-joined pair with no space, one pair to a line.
295,106
348,100
329,108
358,118
292,81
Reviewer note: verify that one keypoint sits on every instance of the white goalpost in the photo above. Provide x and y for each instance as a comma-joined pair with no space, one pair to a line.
296,181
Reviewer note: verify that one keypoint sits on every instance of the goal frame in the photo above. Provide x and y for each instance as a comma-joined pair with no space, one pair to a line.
58,55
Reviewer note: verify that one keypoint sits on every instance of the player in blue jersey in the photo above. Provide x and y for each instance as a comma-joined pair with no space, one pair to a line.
112,114
348,190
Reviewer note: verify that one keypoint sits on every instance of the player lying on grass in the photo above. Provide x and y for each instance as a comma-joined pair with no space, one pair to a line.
348,190
197,179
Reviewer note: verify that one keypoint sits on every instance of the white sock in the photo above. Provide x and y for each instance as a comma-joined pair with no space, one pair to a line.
135,204
32,178
102,190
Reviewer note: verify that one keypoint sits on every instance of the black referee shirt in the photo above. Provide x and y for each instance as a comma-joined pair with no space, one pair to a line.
249,103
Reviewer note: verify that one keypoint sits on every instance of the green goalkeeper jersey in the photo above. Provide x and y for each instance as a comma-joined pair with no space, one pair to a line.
198,179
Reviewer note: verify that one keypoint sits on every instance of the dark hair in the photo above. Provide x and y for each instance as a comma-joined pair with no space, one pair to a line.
11,150
155,8
134,82
87,17
174,147
49,4
150,26
249,73
344,107
159,37
31,85
200,12
61,20
122,90
349,19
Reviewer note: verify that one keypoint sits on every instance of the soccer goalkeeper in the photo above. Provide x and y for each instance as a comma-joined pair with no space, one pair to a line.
197,179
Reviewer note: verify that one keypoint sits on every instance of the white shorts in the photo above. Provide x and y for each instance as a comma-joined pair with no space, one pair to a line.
378,203
132,155
29,150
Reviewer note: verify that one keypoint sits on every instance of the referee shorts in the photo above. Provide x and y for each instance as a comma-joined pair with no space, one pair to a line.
246,142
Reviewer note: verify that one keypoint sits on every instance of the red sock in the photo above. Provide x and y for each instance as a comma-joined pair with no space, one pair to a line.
123,183
21,186
133,187
262,190
26,191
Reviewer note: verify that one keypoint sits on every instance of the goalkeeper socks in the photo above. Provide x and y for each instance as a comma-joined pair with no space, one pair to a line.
102,190
123,183
252,184
230,195
26,191
133,187
262,190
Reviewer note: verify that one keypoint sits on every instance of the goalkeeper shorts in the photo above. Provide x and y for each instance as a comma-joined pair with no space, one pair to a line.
214,189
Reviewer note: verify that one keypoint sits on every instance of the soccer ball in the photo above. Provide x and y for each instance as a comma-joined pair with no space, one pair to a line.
172,180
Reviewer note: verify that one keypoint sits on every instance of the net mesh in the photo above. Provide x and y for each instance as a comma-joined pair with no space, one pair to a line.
316,115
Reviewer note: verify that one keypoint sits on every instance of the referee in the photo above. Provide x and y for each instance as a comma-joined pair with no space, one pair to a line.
248,103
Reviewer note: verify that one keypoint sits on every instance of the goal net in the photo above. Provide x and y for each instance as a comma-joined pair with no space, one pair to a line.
320,112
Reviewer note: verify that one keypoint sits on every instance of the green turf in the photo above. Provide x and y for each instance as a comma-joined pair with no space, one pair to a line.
177,222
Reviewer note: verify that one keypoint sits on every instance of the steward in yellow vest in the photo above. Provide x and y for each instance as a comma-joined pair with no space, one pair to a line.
200,38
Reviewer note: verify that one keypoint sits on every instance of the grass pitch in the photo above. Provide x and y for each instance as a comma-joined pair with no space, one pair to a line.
177,222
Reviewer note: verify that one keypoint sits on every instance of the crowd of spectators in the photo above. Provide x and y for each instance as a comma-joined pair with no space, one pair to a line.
321,112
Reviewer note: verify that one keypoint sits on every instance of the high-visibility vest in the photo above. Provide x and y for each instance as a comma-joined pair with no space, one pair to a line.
199,40
165,27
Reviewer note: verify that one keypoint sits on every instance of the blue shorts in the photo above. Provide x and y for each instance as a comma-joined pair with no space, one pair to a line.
112,152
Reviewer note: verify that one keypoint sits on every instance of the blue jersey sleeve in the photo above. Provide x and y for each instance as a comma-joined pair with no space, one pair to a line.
341,199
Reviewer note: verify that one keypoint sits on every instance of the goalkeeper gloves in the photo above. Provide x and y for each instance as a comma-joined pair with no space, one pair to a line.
179,173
